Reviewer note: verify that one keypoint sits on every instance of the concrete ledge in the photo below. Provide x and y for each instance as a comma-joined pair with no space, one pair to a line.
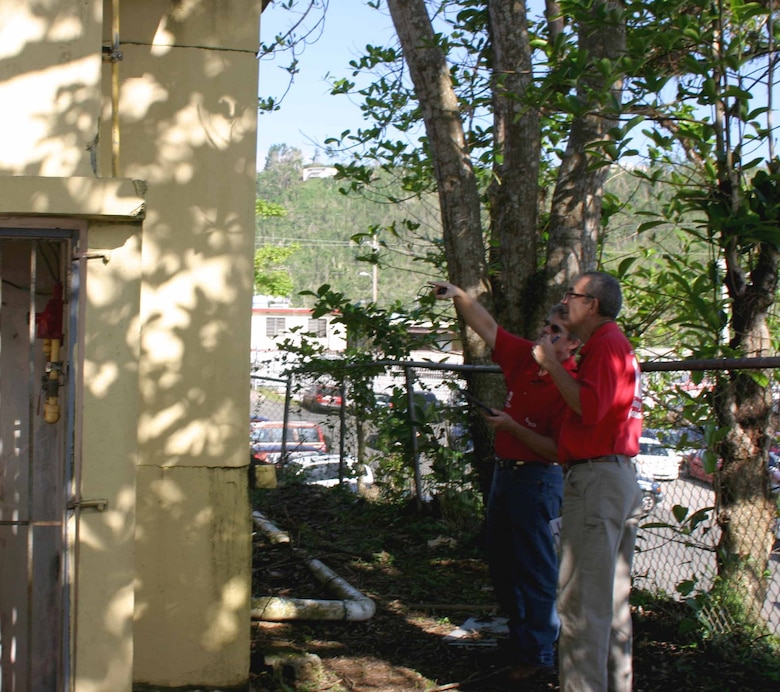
83,198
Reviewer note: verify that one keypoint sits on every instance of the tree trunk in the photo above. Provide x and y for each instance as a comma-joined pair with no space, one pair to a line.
575,216
455,179
458,191
514,192
743,406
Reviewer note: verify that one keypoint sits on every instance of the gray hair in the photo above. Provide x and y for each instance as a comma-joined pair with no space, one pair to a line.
558,310
606,289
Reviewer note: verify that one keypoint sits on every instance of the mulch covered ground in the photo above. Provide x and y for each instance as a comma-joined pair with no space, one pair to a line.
426,575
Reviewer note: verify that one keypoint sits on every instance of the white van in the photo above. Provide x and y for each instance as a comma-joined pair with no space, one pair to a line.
323,469
656,461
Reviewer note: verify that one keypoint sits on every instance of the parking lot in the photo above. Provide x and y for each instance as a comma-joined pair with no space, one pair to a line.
666,557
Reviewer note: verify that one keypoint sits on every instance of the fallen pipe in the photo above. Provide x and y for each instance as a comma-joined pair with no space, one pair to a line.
275,534
351,606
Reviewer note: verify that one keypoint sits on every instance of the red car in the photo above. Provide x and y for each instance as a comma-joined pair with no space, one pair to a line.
694,467
265,440
321,397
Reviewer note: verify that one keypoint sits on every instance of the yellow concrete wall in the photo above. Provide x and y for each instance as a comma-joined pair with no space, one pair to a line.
104,600
166,322
49,86
188,105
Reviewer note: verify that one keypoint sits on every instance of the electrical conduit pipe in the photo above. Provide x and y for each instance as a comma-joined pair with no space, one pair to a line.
351,605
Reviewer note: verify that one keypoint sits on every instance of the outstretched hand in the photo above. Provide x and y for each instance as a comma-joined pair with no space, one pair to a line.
442,290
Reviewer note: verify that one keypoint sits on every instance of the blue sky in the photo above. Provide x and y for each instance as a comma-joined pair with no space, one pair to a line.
308,112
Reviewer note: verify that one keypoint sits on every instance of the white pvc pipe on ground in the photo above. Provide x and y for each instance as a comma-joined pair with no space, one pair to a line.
275,534
351,606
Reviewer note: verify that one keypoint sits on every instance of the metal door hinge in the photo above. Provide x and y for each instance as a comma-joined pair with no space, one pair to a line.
99,505
105,256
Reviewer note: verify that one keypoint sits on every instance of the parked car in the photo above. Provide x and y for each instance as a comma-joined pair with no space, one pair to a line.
427,405
323,470
651,493
322,397
773,465
254,420
383,400
657,461
694,467
459,438
683,439
266,440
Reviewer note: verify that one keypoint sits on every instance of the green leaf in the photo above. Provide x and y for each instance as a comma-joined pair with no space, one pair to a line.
686,587
680,513
625,265
649,225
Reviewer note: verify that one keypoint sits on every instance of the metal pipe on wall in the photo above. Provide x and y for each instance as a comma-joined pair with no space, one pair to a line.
116,56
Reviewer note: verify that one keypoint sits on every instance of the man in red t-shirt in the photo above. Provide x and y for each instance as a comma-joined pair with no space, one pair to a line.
527,487
601,500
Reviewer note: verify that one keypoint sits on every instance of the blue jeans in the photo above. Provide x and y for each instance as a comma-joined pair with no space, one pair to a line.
522,556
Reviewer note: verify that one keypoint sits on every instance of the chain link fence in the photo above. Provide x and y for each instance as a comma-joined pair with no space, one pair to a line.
410,424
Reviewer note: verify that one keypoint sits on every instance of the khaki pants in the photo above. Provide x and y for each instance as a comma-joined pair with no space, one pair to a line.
601,510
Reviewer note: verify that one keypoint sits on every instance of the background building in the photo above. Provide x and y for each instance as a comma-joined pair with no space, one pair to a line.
274,322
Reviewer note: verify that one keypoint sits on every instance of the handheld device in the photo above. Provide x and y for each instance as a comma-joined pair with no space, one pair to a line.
479,404
440,290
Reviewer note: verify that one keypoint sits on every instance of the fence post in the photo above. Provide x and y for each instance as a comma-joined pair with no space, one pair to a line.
342,428
286,418
413,431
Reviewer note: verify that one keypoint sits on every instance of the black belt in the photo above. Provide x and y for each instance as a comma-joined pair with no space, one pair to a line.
517,463
617,458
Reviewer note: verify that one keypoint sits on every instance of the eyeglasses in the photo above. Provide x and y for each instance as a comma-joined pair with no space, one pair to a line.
554,328
573,294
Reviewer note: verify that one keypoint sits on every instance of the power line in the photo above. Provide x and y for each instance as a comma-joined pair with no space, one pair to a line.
306,241
318,242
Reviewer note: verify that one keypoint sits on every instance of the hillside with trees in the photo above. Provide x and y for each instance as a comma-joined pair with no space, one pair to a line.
338,238
333,234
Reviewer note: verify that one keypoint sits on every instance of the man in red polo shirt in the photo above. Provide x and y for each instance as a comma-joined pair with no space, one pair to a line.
601,501
527,487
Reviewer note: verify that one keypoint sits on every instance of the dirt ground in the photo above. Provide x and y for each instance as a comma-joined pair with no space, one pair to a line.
427,575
